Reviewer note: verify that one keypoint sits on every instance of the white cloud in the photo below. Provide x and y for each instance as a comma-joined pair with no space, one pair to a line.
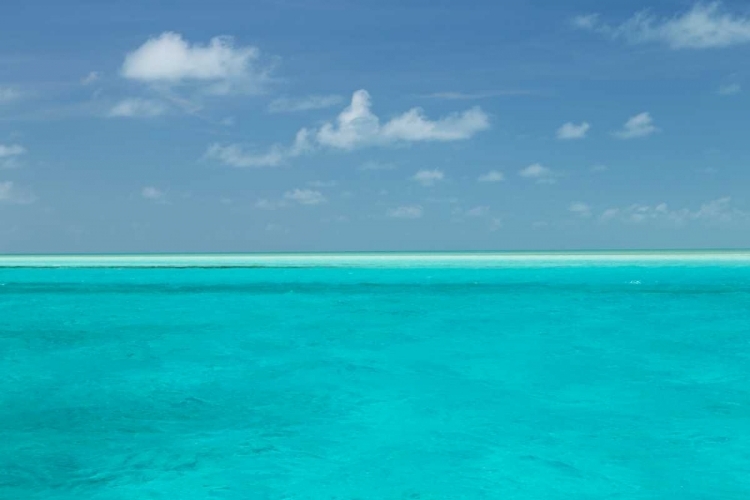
170,59
9,155
12,195
358,126
704,26
305,196
452,96
12,150
539,173
492,176
90,78
599,168
152,193
730,89
639,125
266,204
234,155
137,108
289,105
406,212
323,184
580,209
428,177
477,212
572,131
586,21
375,165
714,211
8,94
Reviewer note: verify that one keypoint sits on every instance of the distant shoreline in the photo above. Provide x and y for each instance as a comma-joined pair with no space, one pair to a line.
386,259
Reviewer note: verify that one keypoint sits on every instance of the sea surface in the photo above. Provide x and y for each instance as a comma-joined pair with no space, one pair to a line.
387,376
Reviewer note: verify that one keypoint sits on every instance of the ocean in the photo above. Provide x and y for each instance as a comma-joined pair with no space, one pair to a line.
376,376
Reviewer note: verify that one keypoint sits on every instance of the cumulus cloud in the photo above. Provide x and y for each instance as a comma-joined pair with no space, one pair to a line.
639,125
406,212
491,176
289,105
730,89
9,155
137,108
305,196
720,210
428,177
704,26
572,131
538,173
358,126
12,195
580,209
170,59
8,94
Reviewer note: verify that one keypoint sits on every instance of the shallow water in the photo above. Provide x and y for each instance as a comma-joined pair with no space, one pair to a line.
515,382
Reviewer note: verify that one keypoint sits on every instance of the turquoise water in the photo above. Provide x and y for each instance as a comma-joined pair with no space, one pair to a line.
534,381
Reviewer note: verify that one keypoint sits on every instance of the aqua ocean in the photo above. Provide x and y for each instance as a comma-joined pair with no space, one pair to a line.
375,376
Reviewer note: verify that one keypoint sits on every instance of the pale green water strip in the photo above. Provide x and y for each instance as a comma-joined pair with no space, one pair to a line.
375,260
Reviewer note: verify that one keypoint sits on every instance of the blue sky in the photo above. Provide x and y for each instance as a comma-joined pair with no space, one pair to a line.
127,126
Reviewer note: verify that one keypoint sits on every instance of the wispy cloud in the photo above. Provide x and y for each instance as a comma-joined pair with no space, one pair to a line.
639,125
704,26
13,195
572,131
720,210
406,212
293,105
491,176
376,165
91,78
297,196
729,89
9,94
169,59
235,155
9,155
323,184
305,196
539,173
428,177
470,96
152,193
580,209
266,204
137,108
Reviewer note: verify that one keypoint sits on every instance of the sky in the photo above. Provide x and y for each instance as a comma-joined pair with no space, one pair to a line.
289,125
